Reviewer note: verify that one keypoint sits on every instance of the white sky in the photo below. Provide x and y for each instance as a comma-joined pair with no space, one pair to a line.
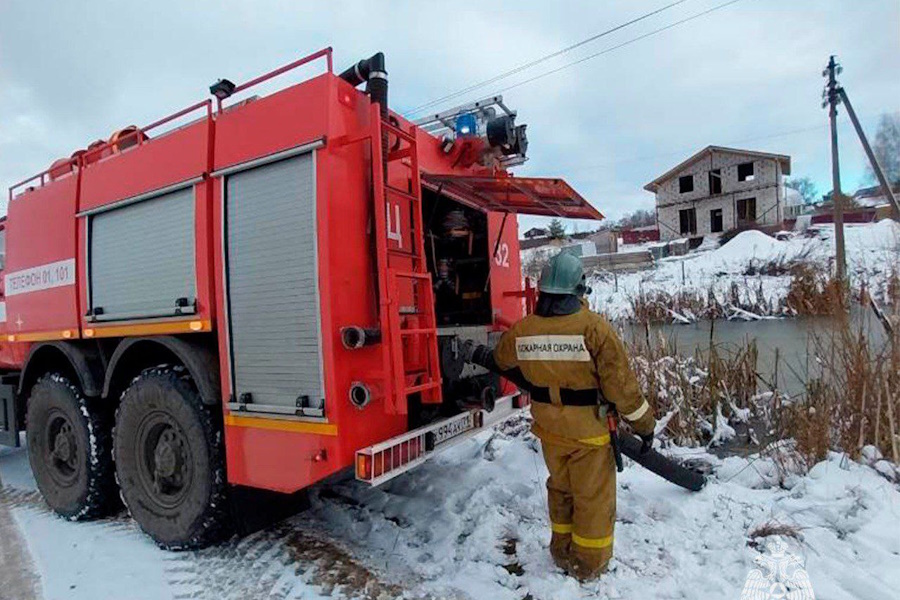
748,75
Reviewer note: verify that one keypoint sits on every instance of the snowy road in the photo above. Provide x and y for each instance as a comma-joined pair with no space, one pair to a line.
472,524
18,578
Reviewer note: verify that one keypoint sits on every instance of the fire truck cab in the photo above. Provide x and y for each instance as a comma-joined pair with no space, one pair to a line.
260,292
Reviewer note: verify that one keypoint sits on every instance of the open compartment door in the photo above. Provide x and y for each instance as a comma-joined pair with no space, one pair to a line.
544,196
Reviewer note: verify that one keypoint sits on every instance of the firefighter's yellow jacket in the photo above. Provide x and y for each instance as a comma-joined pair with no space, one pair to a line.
580,351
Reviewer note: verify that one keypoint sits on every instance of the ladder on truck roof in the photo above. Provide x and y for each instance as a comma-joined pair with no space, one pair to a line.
408,327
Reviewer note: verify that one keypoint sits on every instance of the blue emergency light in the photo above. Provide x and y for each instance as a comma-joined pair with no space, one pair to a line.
466,124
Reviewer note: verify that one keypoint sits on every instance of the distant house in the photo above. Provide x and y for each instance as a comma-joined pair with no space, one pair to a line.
604,240
864,206
535,232
793,204
640,235
719,189
872,197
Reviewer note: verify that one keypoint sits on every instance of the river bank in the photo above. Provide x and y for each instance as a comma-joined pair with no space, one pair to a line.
823,383
754,276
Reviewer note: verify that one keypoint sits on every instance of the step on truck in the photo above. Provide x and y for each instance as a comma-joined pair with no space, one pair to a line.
259,292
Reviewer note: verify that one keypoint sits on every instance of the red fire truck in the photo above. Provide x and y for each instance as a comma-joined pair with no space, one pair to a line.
258,293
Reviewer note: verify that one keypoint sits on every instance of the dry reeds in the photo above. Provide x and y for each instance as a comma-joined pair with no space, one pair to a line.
854,402
851,399
747,301
783,264
758,534
696,397
814,292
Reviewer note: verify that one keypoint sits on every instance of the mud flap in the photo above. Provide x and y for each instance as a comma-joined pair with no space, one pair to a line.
9,418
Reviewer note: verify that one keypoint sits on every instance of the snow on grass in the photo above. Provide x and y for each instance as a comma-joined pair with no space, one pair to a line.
444,527
445,530
873,250
533,259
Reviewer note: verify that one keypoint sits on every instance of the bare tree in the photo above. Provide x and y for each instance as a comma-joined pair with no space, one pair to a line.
886,147
805,187
639,218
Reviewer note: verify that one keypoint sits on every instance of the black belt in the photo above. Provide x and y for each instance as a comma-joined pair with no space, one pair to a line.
567,397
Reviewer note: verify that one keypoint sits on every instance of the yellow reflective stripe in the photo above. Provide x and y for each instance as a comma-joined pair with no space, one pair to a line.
592,542
640,412
601,440
560,527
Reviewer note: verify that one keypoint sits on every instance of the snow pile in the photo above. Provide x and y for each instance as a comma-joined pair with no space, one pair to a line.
753,245
880,236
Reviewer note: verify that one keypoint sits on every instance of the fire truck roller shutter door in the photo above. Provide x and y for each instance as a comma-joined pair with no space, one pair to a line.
142,258
273,292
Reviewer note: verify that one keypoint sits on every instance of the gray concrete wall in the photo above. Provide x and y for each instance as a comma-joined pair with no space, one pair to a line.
766,187
606,241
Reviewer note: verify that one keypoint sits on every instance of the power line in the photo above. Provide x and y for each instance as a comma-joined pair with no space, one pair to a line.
817,128
623,44
688,149
540,60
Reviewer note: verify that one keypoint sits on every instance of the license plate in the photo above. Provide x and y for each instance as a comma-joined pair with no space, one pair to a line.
453,429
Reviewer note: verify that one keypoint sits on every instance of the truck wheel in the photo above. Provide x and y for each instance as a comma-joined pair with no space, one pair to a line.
69,449
169,460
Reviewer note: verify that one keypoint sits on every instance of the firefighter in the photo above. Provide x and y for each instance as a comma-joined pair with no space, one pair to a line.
580,370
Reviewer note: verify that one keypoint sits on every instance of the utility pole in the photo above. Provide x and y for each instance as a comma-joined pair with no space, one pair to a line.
831,99
873,160
841,96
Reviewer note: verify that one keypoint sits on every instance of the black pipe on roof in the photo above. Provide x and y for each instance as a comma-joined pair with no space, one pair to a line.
372,72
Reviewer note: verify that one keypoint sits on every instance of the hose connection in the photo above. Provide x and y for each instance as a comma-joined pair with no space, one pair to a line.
360,395
354,337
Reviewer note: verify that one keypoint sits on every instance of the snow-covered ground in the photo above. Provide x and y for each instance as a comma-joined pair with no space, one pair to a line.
872,251
473,524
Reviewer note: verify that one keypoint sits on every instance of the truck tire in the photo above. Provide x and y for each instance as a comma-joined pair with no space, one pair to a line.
170,463
69,449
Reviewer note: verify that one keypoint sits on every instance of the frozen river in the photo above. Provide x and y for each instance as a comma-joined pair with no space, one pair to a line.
792,340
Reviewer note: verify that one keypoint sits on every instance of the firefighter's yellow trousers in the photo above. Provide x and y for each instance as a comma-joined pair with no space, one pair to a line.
581,493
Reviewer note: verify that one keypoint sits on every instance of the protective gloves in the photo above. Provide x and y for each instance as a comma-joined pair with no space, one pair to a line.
647,443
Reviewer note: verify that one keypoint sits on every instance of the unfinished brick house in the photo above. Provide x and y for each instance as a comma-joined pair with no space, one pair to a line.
719,189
